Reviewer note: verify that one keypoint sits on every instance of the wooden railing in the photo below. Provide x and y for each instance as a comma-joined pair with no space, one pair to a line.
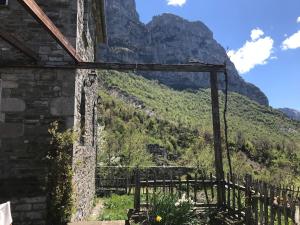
251,201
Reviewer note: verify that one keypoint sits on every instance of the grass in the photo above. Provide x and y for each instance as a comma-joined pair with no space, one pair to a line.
115,207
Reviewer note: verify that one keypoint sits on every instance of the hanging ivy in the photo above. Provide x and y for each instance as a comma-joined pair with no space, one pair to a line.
60,190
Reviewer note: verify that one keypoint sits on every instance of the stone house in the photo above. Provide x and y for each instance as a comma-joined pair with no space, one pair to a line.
46,34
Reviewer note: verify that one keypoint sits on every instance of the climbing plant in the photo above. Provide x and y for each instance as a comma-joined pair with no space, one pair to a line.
60,191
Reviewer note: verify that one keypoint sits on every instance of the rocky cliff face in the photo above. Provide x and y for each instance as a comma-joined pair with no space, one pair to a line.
291,113
168,39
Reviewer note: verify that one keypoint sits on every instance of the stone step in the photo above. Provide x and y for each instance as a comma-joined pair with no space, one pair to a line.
118,222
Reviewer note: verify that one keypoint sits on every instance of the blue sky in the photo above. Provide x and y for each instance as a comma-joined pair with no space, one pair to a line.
269,58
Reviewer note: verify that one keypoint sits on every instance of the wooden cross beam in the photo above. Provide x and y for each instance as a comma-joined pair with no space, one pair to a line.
35,10
193,67
15,42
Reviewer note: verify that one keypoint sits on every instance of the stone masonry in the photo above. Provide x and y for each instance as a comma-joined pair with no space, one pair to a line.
31,99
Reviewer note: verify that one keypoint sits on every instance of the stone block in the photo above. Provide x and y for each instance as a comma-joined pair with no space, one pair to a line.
2,116
63,106
9,84
23,207
11,130
39,206
40,199
35,215
12,105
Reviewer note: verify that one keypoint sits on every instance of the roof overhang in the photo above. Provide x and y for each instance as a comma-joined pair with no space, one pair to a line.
100,21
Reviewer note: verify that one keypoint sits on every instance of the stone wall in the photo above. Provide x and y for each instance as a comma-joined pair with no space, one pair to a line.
16,20
29,209
33,98
84,155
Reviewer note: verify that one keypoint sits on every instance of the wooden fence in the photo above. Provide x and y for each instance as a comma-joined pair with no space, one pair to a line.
251,201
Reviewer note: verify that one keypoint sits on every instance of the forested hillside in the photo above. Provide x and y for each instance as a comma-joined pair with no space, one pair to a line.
137,113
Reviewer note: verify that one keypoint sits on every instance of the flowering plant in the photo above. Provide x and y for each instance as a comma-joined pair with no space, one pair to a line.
169,209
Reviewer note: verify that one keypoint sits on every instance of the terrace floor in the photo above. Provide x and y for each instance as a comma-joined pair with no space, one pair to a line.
118,222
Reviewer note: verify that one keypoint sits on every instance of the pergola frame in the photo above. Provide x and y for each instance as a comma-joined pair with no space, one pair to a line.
213,70
32,7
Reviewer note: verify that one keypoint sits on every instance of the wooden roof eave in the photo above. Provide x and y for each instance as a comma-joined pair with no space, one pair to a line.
100,21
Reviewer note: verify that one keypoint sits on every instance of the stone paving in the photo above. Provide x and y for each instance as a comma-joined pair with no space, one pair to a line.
118,222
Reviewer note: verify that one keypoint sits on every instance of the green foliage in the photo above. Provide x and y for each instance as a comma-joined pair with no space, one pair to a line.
261,139
115,207
200,155
168,209
60,191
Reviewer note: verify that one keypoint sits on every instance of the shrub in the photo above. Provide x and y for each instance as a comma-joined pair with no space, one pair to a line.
171,210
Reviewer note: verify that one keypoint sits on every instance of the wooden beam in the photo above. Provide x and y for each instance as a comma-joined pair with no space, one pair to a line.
15,42
35,10
217,139
195,67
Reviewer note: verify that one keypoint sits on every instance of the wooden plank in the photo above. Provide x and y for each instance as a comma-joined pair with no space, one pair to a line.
285,210
266,204
278,194
255,206
233,193
217,139
179,186
15,42
124,67
187,185
137,192
261,203
205,190
195,188
36,11
212,188
228,191
155,185
239,201
164,181
147,189
171,183
248,214
272,212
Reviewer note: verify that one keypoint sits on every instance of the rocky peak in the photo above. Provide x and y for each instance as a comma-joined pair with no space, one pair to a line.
291,113
126,8
168,39
177,25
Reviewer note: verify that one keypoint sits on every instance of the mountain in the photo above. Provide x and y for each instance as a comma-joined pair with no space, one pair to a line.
137,112
291,113
168,39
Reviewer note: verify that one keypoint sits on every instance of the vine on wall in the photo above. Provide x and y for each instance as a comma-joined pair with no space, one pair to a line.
60,190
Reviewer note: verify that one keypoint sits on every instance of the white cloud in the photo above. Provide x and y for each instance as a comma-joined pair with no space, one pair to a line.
256,33
176,2
291,42
298,19
255,52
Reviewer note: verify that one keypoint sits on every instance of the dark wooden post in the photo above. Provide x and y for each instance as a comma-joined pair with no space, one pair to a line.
248,200
137,192
217,139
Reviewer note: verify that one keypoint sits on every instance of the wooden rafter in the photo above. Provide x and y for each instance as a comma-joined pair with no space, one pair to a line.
15,42
35,10
194,67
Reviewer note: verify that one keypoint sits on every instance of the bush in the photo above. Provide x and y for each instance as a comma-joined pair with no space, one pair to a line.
171,210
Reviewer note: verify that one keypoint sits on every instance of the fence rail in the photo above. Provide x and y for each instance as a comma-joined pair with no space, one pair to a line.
253,202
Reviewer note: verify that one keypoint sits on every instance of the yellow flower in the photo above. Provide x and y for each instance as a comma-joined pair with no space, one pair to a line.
158,219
